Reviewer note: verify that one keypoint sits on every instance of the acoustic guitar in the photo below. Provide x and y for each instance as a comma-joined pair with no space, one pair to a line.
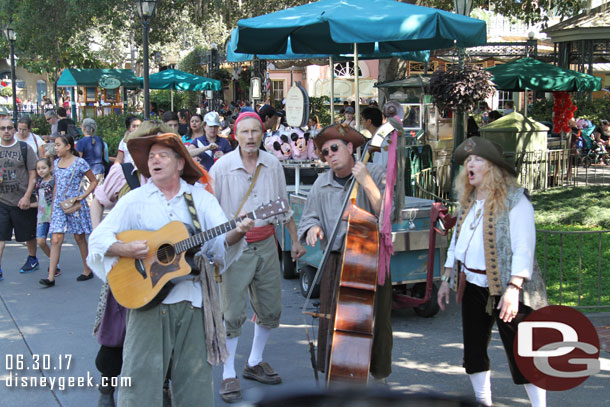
141,283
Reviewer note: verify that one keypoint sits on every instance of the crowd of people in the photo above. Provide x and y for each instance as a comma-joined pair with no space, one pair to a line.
204,170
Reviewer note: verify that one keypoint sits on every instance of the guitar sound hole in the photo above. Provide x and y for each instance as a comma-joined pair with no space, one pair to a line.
166,254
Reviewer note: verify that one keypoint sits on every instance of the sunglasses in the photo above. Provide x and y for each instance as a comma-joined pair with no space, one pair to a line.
334,148
9,128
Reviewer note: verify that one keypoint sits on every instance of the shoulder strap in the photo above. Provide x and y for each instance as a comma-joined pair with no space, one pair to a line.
191,205
130,176
24,153
243,202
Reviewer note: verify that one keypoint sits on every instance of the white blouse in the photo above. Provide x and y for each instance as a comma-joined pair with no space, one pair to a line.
469,248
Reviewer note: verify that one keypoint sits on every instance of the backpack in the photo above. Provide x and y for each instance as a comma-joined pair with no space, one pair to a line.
24,153
72,130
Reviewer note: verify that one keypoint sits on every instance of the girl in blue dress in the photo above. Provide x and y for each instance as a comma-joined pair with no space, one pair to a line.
69,169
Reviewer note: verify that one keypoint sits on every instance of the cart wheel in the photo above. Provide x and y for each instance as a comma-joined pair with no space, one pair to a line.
288,266
427,309
586,162
305,278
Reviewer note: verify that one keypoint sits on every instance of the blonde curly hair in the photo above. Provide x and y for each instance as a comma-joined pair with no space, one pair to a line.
496,181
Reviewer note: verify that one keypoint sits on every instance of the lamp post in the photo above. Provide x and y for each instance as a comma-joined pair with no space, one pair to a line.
462,7
213,55
11,36
146,9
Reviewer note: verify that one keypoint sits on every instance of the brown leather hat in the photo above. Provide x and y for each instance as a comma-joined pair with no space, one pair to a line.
140,147
338,132
483,148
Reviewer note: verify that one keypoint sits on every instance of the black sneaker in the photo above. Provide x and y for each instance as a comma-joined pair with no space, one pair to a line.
31,264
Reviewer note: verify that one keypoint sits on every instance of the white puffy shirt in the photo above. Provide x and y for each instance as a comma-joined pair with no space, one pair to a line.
523,242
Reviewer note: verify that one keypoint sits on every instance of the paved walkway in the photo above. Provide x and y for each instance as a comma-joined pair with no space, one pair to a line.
54,325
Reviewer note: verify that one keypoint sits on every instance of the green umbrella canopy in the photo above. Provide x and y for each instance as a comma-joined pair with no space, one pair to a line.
91,77
333,26
179,80
528,73
234,56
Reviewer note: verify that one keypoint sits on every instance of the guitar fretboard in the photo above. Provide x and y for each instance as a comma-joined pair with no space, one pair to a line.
200,238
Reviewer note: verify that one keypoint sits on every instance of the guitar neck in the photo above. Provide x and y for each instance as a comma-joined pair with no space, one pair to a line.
202,237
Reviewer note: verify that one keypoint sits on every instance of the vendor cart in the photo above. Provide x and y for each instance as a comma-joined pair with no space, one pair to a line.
408,264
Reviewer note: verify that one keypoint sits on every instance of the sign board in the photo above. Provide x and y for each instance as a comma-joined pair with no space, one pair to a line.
209,94
256,88
297,106
109,82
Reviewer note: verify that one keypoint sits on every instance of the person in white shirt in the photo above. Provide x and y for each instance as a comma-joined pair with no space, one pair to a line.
172,331
24,133
492,251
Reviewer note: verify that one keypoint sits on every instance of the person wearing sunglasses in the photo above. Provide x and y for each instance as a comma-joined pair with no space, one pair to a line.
336,145
17,180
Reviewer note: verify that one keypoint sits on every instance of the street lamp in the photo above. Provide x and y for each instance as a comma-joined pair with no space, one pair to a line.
213,54
146,9
462,7
11,36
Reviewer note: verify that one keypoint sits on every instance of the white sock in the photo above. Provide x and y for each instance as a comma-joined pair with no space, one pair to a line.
536,394
228,371
261,335
481,383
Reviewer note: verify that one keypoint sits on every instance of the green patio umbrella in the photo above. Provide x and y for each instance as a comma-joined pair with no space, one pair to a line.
175,79
531,74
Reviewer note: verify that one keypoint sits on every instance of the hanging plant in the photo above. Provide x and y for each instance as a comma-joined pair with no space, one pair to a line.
460,89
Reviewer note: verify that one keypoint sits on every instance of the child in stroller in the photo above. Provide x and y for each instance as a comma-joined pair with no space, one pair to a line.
588,149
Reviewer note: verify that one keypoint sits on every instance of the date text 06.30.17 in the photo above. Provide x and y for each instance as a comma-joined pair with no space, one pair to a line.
37,361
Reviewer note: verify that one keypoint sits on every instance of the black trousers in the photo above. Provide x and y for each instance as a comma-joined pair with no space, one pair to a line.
476,329
109,361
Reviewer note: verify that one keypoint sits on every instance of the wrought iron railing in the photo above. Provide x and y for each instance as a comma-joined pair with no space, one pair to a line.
572,269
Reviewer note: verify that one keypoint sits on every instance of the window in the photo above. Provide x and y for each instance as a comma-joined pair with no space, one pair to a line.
277,89
503,97
346,69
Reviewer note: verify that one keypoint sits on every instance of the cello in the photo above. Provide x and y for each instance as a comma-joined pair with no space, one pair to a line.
352,334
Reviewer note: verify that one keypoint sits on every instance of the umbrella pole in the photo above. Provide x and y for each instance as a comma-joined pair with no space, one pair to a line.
331,67
357,86
526,100
171,97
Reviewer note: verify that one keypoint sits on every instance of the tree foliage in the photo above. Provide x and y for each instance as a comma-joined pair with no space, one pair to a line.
528,11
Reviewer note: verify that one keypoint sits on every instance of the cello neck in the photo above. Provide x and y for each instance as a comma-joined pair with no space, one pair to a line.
354,192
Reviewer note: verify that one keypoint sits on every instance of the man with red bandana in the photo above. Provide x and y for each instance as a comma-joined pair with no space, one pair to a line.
257,271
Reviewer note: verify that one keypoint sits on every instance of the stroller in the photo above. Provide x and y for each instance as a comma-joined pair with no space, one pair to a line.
589,152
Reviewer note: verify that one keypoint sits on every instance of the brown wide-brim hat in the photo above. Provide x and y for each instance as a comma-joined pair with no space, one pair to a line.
483,148
139,148
338,132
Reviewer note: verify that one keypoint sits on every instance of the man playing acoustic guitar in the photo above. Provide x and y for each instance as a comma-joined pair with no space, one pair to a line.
336,144
175,329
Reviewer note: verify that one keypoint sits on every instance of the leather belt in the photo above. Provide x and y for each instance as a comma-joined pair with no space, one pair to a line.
474,270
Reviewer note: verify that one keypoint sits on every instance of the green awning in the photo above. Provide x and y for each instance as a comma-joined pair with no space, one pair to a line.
91,77
179,80
528,73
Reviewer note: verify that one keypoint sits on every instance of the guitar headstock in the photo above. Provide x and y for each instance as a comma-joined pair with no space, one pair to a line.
272,208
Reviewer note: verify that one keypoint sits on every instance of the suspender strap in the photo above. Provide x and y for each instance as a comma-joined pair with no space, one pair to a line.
243,202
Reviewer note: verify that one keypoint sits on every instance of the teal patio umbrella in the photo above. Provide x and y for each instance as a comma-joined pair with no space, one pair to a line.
333,26
175,79
234,56
531,74
356,27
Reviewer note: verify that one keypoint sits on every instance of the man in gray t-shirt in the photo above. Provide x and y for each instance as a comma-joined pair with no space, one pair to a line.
18,175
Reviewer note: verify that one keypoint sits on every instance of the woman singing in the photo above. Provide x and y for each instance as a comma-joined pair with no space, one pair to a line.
492,257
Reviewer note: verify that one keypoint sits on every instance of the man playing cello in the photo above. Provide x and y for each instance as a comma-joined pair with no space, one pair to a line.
336,145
